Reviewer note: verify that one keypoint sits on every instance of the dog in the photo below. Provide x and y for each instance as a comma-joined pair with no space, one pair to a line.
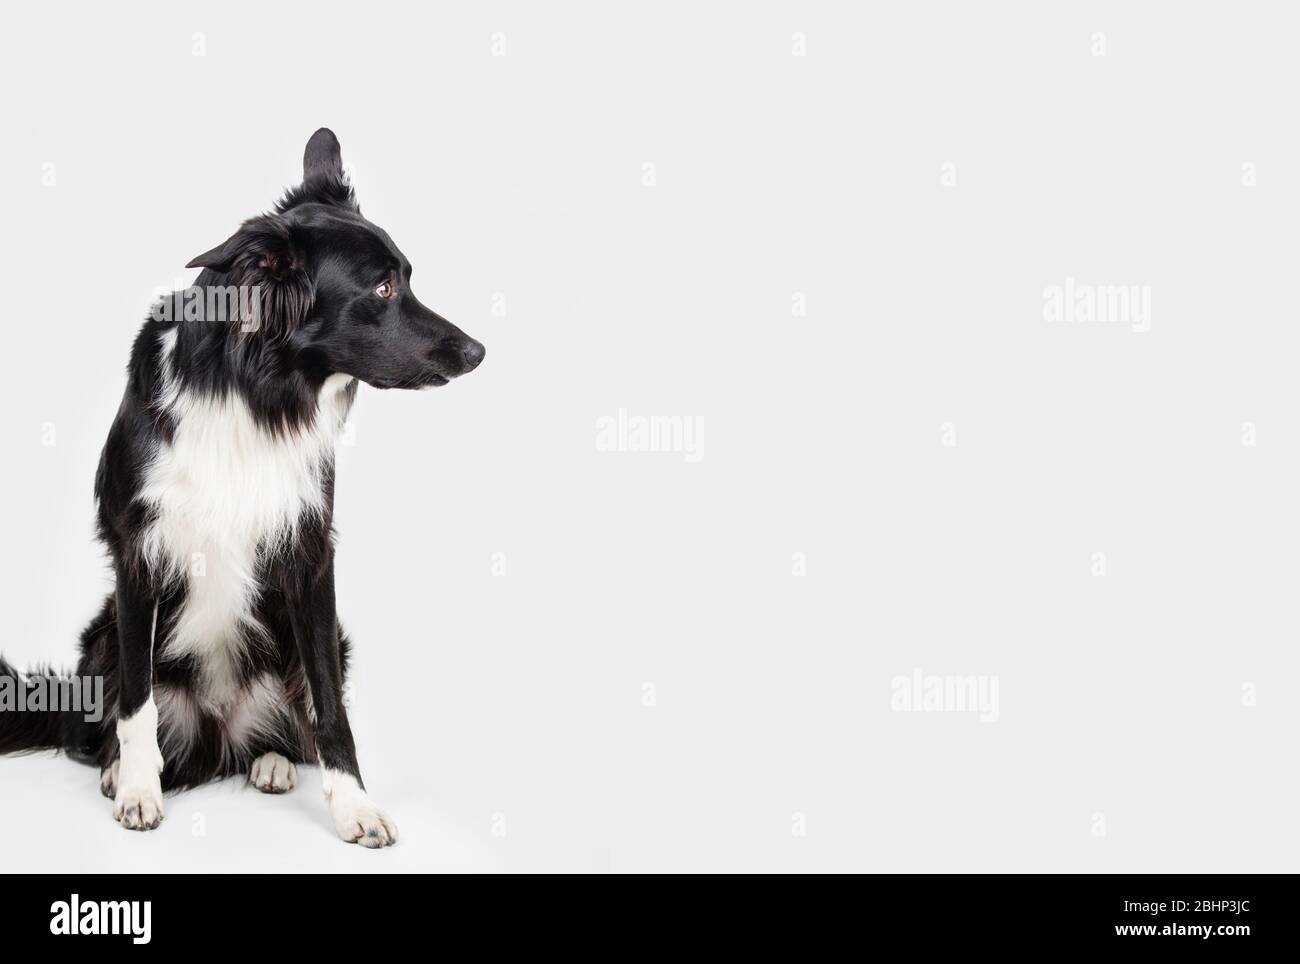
220,650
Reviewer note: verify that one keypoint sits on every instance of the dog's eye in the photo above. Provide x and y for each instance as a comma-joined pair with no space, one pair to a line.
386,290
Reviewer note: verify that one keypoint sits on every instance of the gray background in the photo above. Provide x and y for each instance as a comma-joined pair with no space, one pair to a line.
502,719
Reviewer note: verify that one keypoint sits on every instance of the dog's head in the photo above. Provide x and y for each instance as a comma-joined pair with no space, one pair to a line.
333,290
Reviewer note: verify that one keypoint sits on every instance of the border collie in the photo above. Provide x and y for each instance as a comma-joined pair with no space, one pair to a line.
220,651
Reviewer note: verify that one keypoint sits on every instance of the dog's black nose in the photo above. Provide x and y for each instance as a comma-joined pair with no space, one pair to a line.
471,354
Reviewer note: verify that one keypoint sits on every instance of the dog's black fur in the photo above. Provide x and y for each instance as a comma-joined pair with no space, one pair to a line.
321,268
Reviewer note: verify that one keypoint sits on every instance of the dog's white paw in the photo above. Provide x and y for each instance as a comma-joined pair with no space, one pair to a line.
272,773
364,823
138,803
108,779
139,806
356,817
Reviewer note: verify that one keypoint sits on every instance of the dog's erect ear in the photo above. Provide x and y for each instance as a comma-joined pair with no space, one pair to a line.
323,158
323,180
265,257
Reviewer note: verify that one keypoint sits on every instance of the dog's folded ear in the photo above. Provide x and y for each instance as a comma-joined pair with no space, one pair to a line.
218,259
266,241
264,257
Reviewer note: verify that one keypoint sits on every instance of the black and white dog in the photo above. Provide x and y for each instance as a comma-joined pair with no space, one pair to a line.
220,650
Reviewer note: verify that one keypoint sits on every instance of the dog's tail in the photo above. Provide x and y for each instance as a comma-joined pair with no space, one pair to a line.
42,710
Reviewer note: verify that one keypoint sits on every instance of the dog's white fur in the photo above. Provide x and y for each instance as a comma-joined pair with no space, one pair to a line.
272,773
356,817
138,803
226,493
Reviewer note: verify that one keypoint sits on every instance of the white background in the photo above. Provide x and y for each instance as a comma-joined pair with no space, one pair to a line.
1146,716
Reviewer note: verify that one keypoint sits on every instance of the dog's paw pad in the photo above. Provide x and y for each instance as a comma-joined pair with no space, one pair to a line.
272,773
139,807
108,779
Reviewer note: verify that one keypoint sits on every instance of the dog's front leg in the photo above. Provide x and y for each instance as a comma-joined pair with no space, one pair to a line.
316,630
137,804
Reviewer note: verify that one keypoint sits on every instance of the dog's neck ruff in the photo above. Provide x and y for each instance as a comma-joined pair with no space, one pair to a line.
225,493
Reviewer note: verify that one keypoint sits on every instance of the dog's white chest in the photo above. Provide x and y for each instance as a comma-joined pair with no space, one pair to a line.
227,493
